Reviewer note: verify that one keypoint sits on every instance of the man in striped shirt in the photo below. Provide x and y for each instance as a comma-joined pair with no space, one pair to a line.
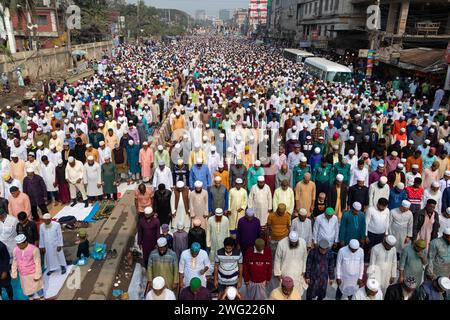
228,266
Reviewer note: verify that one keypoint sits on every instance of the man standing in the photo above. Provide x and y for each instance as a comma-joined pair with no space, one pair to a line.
353,225
228,266
349,269
194,263
198,203
319,270
217,196
200,172
34,187
51,244
260,199
401,225
302,225
148,233
359,193
5,268
248,230
378,190
27,263
377,223
337,196
163,262
75,175
290,260
92,177
163,175
284,194
179,203
146,163
413,261
216,232
326,227
197,234
438,254
383,262
278,225
8,233
236,204
305,194
426,223
257,270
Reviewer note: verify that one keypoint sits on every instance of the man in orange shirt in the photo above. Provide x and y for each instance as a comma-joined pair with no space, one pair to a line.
416,158
18,202
278,225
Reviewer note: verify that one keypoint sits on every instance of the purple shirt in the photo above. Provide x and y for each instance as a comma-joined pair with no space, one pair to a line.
247,232
375,176
202,294
134,134
36,189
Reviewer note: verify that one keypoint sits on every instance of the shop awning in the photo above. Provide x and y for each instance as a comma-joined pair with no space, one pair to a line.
418,59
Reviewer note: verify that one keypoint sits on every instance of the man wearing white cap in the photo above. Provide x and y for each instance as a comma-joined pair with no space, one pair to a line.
200,172
437,289
195,154
444,221
438,254
237,204
75,176
444,183
162,154
162,175
411,175
103,152
253,174
433,192
160,291
179,203
260,199
218,229
51,244
353,225
302,225
378,190
401,225
198,203
383,262
213,160
377,223
371,291
27,264
349,269
92,177
32,163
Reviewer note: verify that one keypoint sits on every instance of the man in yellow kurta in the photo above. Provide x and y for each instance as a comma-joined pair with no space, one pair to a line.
237,203
90,151
17,168
284,194
305,194
217,231
195,154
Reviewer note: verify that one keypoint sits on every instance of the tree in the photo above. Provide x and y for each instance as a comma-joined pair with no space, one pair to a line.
94,21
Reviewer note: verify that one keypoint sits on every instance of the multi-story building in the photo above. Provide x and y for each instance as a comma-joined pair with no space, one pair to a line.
283,19
225,14
240,17
200,15
257,14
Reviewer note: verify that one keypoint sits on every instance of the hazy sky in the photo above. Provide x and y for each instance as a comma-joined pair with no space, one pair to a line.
212,7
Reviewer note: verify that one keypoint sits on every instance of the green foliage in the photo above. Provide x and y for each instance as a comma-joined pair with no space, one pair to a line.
95,24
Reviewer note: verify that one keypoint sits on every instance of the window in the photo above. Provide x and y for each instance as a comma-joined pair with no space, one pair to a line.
331,5
326,5
336,5
41,20
315,7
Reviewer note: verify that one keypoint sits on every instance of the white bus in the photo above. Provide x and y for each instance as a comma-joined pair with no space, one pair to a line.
327,70
296,55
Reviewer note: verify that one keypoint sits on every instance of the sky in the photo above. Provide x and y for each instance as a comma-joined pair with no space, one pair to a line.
212,7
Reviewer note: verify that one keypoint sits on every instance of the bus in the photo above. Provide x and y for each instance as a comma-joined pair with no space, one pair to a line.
327,70
296,55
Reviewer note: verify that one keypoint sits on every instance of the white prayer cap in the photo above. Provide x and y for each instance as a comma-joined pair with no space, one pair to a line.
381,165
447,173
427,141
352,138
261,179
71,159
145,143
293,236
357,206
199,160
21,238
354,244
198,184
180,225
257,163
221,165
350,152
60,161
148,210
101,143
180,184
335,147
431,130
88,145
403,160
213,148
303,159
406,204
415,166
231,293
419,128
239,181
52,146
158,283
160,148
162,242
39,129
30,170
218,179
373,285
47,216
197,145
14,155
390,240
400,166
400,185
218,212
435,184
90,158
441,141
317,150
383,180
447,231
444,283
340,177
410,141
448,210
303,212
394,153
40,144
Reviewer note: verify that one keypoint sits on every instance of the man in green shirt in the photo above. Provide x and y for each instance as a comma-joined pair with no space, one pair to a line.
353,225
439,254
299,171
322,176
413,260
342,167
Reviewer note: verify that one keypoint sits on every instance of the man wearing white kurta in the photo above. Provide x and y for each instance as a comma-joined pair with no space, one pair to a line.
51,244
383,262
75,175
8,232
48,174
260,200
103,152
401,225
92,177
180,209
284,194
216,232
349,269
290,260
302,225
162,175
237,203
377,190
213,160
4,166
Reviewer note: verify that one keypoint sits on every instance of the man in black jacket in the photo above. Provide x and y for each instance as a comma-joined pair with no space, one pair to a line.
5,268
424,217
197,234
359,193
333,196
403,291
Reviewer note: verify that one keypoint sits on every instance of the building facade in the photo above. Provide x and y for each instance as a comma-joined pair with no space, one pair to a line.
257,14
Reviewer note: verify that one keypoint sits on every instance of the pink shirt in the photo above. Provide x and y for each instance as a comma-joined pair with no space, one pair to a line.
19,204
25,260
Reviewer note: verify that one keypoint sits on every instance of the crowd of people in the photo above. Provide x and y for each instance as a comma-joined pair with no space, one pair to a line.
271,184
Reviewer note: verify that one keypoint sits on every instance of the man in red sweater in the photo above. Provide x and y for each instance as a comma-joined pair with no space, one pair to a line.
257,270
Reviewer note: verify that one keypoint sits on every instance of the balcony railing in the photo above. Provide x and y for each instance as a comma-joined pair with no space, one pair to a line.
427,28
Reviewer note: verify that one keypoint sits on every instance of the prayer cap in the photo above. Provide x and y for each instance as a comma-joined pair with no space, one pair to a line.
317,150
30,170
180,184
447,173
14,155
400,166
303,159
354,244
90,158
357,206
218,179
162,242
161,163
260,244
160,148
324,244
199,160
195,283
158,283
239,181
410,282
6,177
447,231
219,212
195,247
293,236
415,166
422,244
383,180
88,145
180,226
257,163
221,165
231,293
287,282
197,222
329,211
198,184
261,179
394,153
21,238
47,216
303,212
340,177
406,204
82,233
390,240
373,285
40,144
148,210
400,185
250,212
444,283
101,143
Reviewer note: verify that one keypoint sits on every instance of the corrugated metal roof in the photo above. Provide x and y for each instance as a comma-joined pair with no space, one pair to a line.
422,57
